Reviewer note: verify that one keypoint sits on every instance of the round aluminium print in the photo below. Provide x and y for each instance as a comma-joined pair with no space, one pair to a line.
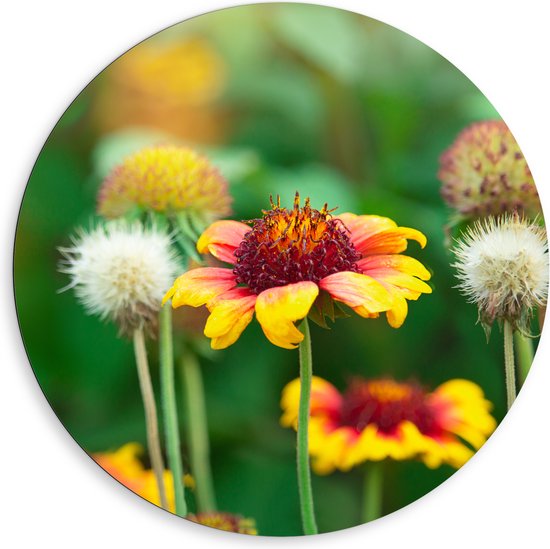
280,269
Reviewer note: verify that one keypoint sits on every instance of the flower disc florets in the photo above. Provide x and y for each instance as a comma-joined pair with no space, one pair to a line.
288,246
120,272
225,521
386,403
502,266
167,179
485,173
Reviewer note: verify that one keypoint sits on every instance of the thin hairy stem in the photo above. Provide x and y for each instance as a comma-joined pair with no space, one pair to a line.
169,408
509,367
304,473
197,431
373,486
151,419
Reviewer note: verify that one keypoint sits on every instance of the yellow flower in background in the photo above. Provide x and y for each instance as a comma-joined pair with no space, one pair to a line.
125,466
485,173
167,179
226,522
287,259
375,419
168,85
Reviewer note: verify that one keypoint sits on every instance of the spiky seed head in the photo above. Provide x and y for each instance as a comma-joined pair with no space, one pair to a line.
502,267
120,272
485,173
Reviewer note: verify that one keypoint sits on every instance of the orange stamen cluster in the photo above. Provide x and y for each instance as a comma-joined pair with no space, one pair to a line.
387,403
288,246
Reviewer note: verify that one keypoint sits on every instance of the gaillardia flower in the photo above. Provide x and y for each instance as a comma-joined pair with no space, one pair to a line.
226,522
484,173
285,259
120,271
168,179
502,267
375,419
125,466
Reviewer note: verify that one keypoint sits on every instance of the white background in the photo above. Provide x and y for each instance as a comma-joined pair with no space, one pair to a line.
50,493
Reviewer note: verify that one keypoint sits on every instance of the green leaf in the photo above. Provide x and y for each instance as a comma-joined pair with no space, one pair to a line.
323,308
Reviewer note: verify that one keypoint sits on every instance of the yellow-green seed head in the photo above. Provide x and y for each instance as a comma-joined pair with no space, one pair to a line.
167,179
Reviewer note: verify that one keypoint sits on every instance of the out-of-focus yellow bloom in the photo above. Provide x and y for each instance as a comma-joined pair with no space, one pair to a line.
281,264
226,522
382,418
167,179
125,466
168,85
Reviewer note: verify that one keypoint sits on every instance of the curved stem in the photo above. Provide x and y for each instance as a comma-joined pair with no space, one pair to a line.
509,366
151,419
169,408
197,431
372,502
525,354
304,474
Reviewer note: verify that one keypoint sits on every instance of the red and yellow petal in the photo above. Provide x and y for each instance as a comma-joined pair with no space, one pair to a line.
396,263
363,227
325,400
329,447
391,241
230,314
198,286
278,308
125,466
402,287
376,445
448,450
360,292
403,276
464,411
222,238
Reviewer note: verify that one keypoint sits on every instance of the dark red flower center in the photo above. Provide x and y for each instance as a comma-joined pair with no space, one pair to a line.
288,246
387,403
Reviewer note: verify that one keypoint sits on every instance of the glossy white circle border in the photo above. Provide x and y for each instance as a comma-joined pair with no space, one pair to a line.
51,494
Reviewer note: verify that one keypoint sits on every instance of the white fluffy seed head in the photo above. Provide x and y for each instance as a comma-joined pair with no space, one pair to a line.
502,266
120,272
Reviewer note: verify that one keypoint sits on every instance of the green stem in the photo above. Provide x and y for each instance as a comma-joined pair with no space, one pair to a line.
525,354
169,408
186,237
151,419
304,474
509,367
197,431
374,480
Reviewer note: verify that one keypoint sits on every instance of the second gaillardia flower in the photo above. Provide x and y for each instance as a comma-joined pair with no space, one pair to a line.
377,419
284,260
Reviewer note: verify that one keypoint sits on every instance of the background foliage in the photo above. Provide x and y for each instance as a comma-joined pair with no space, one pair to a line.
340,107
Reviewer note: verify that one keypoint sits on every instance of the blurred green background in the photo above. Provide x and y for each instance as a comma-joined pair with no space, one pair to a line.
283,98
